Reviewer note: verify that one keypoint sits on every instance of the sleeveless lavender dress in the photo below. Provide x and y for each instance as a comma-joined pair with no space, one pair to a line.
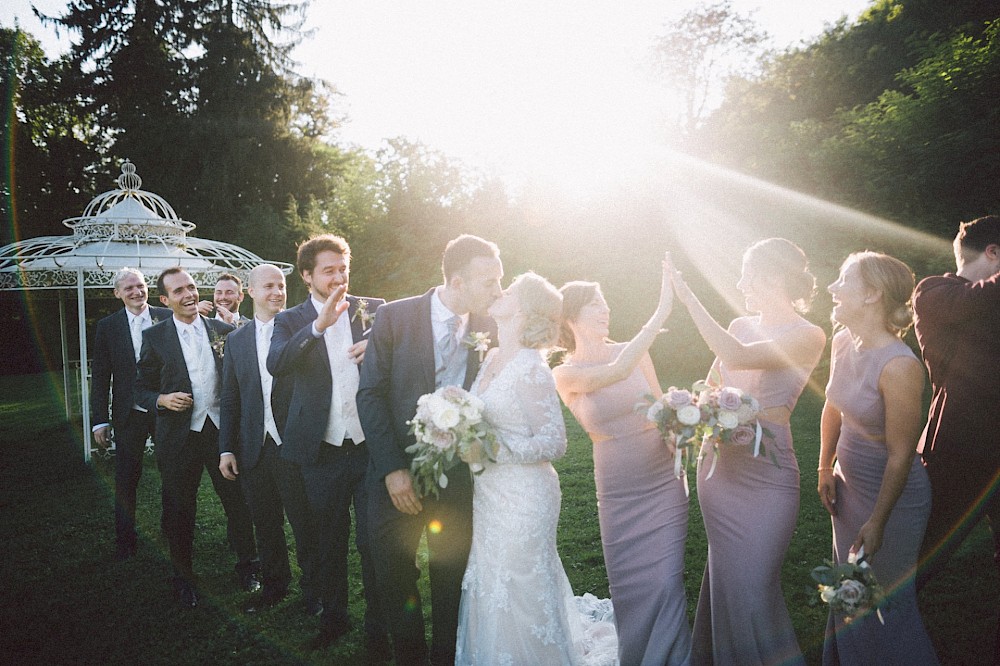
750,506
643,513
861,460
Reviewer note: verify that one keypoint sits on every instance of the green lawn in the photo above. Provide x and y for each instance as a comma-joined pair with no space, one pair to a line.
62,600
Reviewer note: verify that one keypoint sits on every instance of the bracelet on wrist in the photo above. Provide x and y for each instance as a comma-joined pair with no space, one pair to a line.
824,469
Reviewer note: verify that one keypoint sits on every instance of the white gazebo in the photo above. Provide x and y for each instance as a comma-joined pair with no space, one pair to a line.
123,227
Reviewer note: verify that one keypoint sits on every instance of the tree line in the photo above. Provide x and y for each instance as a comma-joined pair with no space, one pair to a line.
893,114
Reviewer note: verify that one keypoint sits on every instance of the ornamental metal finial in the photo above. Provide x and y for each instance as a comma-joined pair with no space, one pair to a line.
129,181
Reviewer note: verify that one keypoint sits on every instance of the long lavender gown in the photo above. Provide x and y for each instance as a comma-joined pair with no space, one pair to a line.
643,514
861,460
750,505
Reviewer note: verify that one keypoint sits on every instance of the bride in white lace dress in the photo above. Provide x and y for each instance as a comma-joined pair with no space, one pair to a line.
517,605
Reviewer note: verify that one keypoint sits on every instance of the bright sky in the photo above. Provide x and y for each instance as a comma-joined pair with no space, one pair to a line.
554,90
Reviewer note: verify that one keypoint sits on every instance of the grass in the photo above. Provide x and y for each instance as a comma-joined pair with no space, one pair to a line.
63,601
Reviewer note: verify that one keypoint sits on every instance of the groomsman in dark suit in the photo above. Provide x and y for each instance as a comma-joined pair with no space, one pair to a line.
415,347
319,344
179,375
117,343
225,303
254,407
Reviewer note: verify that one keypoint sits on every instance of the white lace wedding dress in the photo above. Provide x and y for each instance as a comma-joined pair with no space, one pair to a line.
517,605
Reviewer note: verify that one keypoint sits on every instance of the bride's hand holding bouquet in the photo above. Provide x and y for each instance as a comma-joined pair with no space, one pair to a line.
448,428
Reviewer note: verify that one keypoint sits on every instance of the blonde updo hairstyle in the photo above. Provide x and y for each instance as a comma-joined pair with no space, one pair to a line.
784,261
575,296
540,305
894,280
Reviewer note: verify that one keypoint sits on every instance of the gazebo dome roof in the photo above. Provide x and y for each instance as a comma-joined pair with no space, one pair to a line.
123,227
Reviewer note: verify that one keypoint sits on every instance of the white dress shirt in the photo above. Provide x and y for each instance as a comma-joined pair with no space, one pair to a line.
343,421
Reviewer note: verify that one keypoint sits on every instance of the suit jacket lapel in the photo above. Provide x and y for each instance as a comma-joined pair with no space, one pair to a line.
214,335
424,332
124,335
252,358
174,348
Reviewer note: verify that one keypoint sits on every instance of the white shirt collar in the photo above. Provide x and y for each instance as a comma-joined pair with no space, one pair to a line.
195,326
318,304
142,316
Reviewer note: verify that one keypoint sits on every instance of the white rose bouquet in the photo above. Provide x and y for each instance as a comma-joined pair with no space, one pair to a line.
448,423
849,588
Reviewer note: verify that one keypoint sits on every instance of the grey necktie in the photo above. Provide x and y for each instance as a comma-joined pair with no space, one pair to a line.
453,356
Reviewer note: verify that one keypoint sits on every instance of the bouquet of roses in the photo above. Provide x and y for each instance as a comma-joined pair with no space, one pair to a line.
849,588
448,423
705,412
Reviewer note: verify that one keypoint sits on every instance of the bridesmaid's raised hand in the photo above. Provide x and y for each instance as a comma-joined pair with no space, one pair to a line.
666,303
681,289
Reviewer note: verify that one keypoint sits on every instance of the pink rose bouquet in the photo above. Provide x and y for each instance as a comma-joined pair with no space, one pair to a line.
849,588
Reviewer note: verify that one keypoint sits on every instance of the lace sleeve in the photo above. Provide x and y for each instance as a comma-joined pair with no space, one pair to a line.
543,432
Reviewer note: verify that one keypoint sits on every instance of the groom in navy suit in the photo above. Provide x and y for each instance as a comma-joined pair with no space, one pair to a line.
318,345
416,346
179,375
117,343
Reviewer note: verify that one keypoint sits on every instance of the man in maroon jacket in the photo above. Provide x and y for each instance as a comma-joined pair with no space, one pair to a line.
958,328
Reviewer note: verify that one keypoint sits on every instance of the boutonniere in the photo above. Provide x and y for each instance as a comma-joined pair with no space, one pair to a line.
478,341
362,313
218,342
239,321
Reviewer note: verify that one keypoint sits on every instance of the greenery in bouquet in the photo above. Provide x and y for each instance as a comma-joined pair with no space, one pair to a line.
849,588
705,412
448,425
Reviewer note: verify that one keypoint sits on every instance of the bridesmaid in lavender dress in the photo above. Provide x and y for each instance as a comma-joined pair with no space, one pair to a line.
642,507
750,504
878,493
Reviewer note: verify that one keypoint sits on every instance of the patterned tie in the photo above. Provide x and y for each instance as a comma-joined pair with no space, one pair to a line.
453,366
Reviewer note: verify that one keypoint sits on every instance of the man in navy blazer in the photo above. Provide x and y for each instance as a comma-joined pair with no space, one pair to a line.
178,378
117,342
319,344
406,358
254,406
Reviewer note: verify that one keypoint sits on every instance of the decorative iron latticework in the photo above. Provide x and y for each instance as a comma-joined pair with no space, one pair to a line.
123,227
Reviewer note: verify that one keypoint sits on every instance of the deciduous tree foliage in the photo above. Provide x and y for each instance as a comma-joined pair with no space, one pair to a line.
890,115
52,173
201,95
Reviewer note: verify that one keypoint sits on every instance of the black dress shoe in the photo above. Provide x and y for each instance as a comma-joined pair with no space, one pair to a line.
250,582
185,593
328,635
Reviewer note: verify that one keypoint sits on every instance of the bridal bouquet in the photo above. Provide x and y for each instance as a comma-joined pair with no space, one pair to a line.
448,423
705,413
849,588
